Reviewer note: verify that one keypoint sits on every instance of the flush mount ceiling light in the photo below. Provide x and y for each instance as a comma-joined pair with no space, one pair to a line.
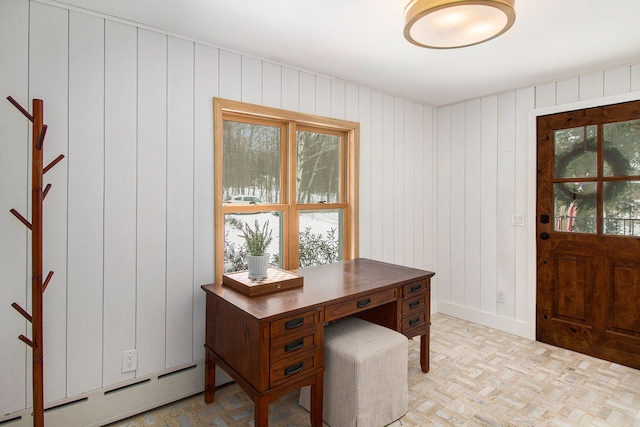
448,24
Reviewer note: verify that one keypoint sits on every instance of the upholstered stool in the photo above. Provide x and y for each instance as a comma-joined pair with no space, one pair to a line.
365,377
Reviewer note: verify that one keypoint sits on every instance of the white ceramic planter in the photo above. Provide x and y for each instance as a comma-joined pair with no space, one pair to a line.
258,266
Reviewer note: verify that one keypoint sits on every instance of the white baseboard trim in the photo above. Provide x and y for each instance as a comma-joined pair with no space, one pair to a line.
122,400
515,327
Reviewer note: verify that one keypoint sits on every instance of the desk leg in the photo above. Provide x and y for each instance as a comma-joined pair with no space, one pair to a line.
209,377
261,411
424,353
316,401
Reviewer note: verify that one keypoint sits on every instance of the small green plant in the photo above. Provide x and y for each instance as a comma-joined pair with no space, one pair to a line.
257,239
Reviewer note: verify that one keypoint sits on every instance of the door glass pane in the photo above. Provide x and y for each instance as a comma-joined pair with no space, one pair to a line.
622,148
321,237
575,207
235,248
251,163
318,163
575,152
622,208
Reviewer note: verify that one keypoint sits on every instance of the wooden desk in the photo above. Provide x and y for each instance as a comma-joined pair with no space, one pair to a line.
273,344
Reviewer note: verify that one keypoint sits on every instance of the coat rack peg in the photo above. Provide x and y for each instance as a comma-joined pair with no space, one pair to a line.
19,107
21,218
22,311
27,341
53,163
46,281
41,137
45,191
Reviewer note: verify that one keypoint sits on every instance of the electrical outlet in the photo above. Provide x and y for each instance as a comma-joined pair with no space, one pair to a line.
500,297
129,361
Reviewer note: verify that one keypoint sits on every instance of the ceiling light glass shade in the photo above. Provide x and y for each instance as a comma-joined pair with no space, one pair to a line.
448,24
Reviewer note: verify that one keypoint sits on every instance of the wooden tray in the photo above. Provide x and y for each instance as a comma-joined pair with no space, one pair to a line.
276,280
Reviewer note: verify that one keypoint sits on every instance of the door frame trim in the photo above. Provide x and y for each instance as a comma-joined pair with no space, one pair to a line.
532,155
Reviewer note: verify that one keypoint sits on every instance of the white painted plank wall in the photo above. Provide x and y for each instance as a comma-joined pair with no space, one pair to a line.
129,220
497,257
15,161
49,81
85,208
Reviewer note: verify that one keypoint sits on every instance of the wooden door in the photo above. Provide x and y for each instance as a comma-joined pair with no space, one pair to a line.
588,232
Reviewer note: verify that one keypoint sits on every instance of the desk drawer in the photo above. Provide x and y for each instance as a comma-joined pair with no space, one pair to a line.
416,322
292,368
343,309
295,324
414,289
414,305
289,346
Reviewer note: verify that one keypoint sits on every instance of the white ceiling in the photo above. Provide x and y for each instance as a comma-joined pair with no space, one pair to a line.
361,41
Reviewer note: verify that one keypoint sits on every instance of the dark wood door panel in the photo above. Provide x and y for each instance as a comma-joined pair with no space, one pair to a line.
588,274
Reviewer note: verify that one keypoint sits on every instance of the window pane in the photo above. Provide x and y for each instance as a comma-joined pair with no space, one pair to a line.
321,237
235,248
251,162
622,208
622,148
575,152
575,207
318,163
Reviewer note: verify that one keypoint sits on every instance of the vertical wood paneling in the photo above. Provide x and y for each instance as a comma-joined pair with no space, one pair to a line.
48,80
443,203
635,77
351,97
152,202
180,151
617,81
409,177
545,95
86,195
290,89
323,96
271,85
398,229
388,185
377,172
430,155
525,102
15,164
458,203
421,170
307,95
120,120
206,87
568,91
472,204
251,80
366,172
506,194
230,82
592,86
489,204
338,100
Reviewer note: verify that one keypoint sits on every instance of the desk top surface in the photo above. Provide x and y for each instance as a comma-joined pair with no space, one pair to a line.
323,284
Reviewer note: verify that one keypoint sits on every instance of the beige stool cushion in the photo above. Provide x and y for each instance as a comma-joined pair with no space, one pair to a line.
365,377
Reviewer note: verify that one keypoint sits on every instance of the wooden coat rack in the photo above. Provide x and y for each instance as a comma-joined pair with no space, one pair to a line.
38,286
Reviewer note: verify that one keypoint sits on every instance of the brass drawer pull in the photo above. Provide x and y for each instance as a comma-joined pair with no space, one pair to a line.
414,321
364,303
295,323
415,288
294,345
294,369
414,304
